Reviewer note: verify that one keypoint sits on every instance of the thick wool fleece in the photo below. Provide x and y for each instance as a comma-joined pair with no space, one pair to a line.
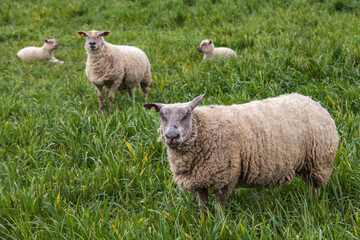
260,143
125,66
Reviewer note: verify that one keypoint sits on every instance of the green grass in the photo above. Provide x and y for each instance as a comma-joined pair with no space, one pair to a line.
70,172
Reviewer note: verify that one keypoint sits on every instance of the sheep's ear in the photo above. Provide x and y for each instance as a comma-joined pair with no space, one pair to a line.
81,34
194,103
157,106
210,41
45,40
55,39
104,34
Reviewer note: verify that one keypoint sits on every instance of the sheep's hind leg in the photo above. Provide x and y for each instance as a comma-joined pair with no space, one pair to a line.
222,197
203,200
128,90
310,184
101,97
144,89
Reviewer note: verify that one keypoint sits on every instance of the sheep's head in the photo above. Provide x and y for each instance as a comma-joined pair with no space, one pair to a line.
94,39
176,120
206,46
51,43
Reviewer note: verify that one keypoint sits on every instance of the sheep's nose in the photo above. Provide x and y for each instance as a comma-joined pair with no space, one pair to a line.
172,136
92,44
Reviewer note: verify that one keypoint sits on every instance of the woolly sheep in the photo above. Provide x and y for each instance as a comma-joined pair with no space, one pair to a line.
210,52
115,67
41,53
257,144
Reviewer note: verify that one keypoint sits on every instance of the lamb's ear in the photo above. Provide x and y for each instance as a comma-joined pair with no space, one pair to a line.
55,39
193,104
45,40
157,106
104,34
210,41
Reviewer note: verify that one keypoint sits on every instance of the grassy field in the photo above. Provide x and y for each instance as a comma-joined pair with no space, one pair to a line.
68,171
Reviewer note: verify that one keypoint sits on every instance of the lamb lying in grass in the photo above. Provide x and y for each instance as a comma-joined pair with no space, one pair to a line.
115,67
46,52
210,52
257,144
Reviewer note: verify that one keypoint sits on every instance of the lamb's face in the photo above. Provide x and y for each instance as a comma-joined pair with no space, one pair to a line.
206,46
176,120
51,44
94,39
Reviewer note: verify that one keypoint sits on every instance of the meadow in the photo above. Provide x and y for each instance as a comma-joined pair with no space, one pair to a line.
68,171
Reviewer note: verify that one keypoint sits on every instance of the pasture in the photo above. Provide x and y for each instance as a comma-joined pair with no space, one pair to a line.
68,171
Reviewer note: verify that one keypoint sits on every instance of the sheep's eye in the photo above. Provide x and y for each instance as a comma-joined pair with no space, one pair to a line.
188,114
162,116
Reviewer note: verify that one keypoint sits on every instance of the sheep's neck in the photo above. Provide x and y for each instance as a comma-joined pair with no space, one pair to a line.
184,157
100,59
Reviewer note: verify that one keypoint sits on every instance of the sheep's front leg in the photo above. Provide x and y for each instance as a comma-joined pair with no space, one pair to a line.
222,197
54,60
111,96
101,96
203,200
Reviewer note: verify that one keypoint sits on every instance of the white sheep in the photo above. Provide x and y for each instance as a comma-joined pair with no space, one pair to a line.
115,67
257,144
210,52
46,52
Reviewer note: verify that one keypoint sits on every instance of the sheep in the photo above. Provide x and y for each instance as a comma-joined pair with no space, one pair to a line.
210,52
258,144
41,53
115,67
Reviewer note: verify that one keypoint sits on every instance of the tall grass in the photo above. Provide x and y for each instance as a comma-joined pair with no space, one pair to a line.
68,171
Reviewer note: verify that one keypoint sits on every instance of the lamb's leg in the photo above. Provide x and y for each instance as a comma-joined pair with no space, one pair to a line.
203,200
101,96
54,60
222,197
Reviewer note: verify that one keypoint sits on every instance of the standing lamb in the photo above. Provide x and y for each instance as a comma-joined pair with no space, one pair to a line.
115,67
46,52
257,144
210,52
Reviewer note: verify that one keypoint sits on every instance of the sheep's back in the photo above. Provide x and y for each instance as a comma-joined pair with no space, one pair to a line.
269,140
28,53
224,52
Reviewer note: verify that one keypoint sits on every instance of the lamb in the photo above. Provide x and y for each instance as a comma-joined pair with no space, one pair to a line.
115,67
257,144
46,52
210,52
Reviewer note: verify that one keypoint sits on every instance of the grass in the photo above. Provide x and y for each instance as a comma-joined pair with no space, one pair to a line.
70,172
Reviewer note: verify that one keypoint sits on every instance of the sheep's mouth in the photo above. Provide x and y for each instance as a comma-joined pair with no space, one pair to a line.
173,144
56,47
199,49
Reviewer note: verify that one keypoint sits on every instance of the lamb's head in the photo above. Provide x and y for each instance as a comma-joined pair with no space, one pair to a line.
51,44
176,120
206,46
94,39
